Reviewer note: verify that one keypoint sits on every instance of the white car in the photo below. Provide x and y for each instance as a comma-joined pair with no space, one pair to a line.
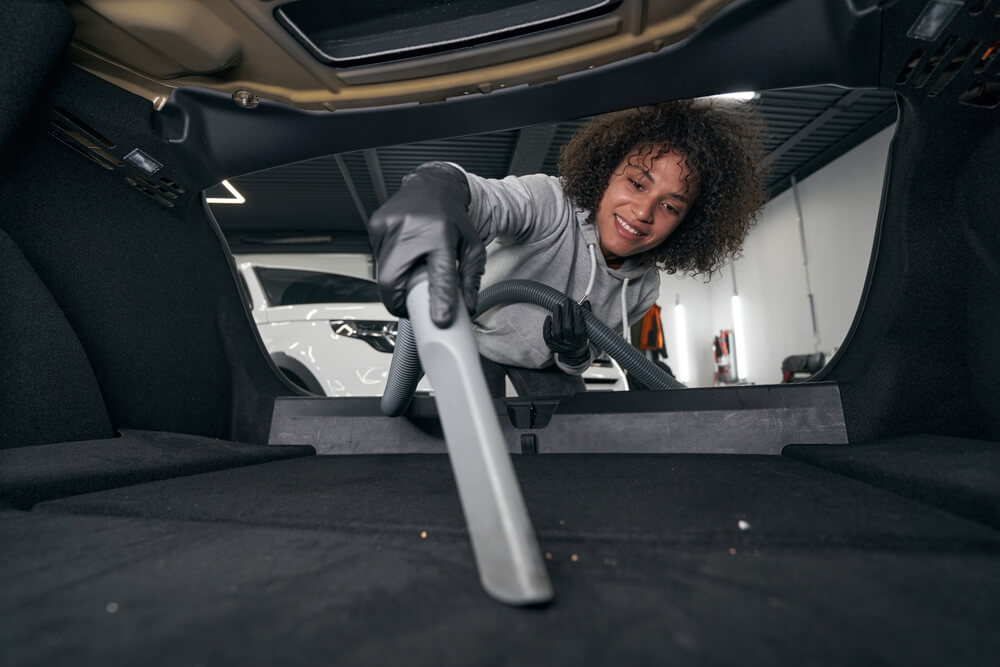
330,334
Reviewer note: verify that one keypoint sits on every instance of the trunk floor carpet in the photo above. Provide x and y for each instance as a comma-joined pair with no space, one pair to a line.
364,560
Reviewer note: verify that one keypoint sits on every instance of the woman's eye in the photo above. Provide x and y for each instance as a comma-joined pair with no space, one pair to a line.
669,208
635,184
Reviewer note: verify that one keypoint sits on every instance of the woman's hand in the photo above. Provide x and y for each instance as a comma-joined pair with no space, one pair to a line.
565,332
427,223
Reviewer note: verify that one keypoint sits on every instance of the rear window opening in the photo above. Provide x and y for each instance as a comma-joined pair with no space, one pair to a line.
290,287
794,292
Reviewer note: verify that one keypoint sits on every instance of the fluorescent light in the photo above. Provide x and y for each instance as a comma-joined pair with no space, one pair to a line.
236,198
741,96
680,330
742,365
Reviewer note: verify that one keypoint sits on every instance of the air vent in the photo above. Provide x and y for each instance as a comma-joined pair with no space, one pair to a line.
964,58
934,61
83,139
173,186
911,64
86,141
151,190
986,59
977,7
983,94
952,68
69,117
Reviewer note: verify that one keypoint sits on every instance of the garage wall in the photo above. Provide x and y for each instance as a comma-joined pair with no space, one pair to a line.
840,206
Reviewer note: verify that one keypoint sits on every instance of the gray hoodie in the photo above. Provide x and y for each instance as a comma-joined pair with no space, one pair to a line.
533,231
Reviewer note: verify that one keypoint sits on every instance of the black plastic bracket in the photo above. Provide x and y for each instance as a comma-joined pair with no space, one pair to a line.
530,413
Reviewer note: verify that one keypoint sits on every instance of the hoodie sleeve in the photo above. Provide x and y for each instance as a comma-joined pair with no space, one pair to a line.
518,209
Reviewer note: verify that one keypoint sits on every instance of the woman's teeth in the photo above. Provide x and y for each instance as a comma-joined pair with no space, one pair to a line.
626,227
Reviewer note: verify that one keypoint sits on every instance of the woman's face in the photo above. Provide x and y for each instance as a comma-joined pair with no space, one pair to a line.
646,199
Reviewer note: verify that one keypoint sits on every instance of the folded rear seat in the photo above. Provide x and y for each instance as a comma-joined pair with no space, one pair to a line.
97,390
56,436
29,475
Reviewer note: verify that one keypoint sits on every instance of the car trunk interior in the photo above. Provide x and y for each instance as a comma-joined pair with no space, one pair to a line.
166,497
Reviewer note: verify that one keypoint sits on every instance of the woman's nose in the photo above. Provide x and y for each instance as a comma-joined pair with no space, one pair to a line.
642,208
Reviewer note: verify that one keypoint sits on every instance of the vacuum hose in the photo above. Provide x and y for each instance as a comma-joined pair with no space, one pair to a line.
405,371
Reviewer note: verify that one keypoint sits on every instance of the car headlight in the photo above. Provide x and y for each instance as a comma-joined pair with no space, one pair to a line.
379,334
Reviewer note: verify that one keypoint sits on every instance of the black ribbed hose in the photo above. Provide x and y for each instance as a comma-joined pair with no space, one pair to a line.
405,371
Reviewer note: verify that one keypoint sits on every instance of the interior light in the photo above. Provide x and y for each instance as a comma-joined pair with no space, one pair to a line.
742,364
741,96
933,19
680,330
236,198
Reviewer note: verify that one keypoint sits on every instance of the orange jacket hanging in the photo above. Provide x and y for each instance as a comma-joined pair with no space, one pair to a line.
651,333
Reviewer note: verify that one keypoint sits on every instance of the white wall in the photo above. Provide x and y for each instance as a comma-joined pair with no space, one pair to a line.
839,211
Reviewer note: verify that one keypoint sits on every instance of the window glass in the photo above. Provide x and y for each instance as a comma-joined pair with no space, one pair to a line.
290,287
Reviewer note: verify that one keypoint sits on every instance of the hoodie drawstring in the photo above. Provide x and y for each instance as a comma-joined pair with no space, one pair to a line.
593,271
626,331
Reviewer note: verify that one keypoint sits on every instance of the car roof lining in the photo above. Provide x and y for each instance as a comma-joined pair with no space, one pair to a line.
728,54
152,47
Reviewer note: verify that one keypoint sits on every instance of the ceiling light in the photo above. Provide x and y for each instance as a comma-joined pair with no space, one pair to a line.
740,96
742,366
680,331
236,198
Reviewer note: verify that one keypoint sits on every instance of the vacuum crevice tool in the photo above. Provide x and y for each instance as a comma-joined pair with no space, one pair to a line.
510,563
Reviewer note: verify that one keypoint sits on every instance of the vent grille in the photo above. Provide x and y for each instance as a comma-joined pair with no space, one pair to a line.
70,118
985,94
173,186
986,59
964,59
83,139
911,64
151,190
954,65
978,6
934,61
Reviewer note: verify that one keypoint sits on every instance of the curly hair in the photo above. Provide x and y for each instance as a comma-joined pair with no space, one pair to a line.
720,144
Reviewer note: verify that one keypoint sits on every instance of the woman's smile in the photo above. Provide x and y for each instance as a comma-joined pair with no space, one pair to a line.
646,199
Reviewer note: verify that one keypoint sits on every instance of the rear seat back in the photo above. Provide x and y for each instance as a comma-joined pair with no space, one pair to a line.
48,390
131,285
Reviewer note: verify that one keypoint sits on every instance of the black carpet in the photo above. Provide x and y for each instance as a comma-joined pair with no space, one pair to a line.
959,475
105,590
29,475
364,560
612,499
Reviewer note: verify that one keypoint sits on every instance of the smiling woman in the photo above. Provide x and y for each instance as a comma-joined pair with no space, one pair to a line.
646,199
632,184
720,146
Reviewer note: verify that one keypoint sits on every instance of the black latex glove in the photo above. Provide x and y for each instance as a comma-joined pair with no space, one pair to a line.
427,222
565,332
